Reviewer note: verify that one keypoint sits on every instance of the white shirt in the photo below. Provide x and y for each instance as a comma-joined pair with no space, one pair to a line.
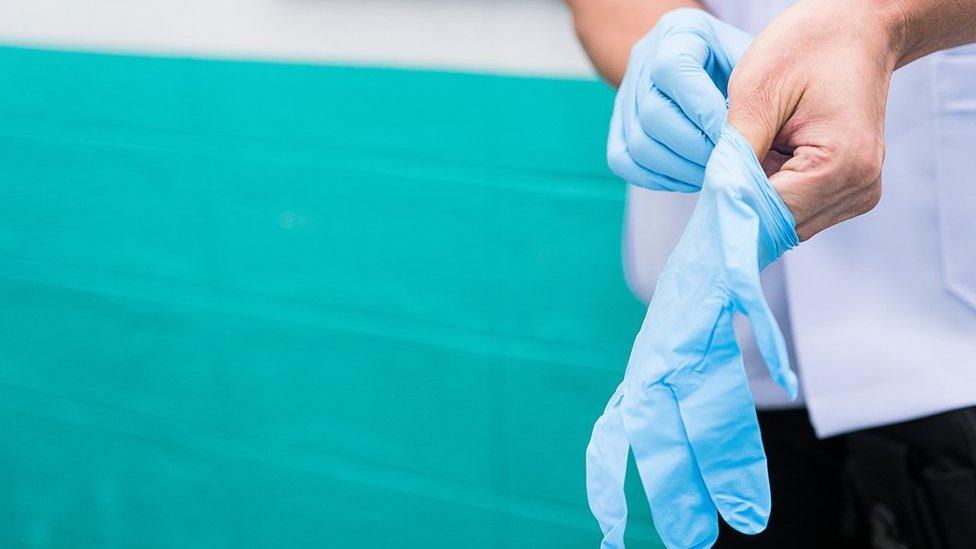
881,308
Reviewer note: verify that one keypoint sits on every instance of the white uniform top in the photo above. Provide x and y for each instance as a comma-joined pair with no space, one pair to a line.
882,308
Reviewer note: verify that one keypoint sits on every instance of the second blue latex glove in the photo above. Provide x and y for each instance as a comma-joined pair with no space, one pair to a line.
670,107
684,406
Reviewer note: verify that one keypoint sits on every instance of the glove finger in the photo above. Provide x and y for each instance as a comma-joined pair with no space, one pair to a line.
747,291
618,155
678,70
769,338
648,152
623,165
683,512
720,418
663,118
756,225
606,468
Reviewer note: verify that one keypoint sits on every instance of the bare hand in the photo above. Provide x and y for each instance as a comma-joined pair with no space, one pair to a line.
809,95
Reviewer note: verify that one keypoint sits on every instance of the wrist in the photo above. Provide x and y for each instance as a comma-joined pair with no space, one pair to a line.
877,31
917,28
897,23
884,27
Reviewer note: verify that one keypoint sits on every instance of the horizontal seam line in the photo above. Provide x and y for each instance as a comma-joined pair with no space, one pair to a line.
559,174
544,343
534,502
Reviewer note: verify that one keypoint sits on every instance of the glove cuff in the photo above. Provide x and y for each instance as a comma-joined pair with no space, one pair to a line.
777,233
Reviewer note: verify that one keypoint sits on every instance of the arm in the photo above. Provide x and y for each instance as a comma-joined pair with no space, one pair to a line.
609,28
921,27
810,96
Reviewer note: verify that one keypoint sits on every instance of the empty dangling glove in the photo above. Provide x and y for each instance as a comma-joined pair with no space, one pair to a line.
684,406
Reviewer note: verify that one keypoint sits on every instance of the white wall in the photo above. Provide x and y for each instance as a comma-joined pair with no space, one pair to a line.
508,36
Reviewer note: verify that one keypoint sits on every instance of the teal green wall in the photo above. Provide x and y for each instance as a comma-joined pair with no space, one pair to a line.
271,305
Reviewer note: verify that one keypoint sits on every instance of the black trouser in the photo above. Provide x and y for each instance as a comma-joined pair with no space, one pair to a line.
911,485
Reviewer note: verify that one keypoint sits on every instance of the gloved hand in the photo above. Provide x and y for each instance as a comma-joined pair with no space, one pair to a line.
684,406
670,108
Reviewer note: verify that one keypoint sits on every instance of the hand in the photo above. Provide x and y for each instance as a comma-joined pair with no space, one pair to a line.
809,95
671,107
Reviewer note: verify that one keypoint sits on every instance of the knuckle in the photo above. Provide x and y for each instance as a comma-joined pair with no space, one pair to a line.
867,161
872,195
868,198
686,16
670,17
675,17
616,161
670,59
651,116
637,51
873,162
665,67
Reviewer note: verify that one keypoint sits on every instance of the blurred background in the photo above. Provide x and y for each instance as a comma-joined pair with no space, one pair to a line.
303,273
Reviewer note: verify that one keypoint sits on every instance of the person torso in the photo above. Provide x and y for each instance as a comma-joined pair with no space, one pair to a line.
882,308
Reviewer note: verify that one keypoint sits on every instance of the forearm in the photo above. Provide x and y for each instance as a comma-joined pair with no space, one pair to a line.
921,27
609,28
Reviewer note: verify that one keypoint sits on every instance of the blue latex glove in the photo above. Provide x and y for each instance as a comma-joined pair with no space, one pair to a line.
670,108
684,406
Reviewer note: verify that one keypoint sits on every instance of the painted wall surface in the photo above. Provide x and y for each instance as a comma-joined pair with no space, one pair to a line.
533,37
255,303
275,305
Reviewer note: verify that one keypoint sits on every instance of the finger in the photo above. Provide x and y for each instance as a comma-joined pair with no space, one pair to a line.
678,70
769,337
606,468
720,418
619,158
756,130
798,190
663,118
744,282
757,109
654,156
683,512
624,166
743,242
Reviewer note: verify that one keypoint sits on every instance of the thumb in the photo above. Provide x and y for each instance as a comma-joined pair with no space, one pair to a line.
761,102
752,118
762,98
